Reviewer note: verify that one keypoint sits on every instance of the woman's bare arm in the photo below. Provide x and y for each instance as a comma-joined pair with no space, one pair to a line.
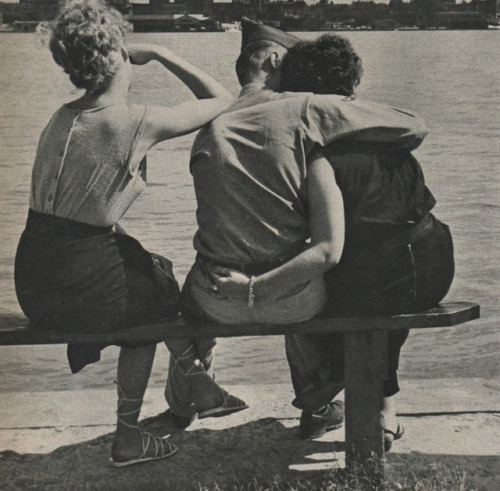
327,241
164,122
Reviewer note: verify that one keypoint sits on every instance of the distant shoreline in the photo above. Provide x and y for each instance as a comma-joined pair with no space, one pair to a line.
440,29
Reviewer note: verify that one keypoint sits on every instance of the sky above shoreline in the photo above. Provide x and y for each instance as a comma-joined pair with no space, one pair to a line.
307,1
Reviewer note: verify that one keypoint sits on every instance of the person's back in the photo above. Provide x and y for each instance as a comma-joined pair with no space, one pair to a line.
249,181
85,168
383,189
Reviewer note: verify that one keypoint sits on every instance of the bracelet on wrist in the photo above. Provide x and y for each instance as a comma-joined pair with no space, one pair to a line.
251,294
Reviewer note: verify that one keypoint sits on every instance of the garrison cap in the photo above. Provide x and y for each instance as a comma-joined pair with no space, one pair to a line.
253,31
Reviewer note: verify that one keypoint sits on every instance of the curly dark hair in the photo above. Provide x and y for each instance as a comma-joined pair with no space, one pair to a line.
85,40
327,65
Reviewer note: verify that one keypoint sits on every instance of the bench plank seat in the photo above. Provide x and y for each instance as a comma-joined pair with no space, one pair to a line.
15,329
365,352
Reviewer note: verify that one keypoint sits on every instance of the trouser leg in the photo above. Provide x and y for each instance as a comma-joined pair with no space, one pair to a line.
316,368
187,357
191,387
395,341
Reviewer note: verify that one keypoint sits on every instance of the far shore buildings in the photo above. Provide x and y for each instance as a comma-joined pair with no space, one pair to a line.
145,15
214,15
165,16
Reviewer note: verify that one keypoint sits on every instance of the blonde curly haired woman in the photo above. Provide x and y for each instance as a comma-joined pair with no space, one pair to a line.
74,271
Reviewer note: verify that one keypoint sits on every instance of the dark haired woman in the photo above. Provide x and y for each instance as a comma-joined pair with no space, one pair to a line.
397,256
73,272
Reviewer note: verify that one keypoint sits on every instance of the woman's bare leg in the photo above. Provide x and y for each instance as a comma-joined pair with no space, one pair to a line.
134,370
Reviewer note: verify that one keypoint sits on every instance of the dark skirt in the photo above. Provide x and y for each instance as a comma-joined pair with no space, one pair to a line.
407,272
71,276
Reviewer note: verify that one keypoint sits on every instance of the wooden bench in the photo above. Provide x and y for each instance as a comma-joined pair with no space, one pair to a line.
365,359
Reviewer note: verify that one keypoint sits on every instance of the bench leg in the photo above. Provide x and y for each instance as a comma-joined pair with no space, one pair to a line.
366,369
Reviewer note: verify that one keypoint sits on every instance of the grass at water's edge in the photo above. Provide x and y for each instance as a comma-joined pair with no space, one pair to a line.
444,478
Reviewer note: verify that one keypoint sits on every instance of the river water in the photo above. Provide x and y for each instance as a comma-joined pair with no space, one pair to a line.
452,78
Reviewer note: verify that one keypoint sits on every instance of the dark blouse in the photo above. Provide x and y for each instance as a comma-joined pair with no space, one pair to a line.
383,189
397,256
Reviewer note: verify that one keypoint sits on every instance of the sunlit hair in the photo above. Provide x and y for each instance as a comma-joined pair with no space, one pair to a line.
86,40
327,65
252,59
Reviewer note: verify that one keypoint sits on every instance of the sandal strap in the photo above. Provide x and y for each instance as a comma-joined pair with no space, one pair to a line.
159,449
188,353
121,399
127,413
196,364
395,434
124,423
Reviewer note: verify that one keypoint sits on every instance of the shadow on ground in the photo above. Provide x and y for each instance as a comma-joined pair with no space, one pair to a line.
229,458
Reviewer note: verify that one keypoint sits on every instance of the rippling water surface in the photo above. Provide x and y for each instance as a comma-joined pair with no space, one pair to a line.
450,77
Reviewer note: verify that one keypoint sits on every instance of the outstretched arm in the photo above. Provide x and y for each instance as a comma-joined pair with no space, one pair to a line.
332,117
164,123
326,210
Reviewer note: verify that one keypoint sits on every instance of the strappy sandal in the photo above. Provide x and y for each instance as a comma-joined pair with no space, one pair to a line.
162,447
390,436
162,450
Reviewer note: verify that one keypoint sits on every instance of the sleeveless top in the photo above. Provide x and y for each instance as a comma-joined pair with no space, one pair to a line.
85,168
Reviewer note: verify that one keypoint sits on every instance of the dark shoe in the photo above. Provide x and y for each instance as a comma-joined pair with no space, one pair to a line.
315,425
390,436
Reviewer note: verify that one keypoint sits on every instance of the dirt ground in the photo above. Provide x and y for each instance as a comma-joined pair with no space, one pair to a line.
260,450
62,440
